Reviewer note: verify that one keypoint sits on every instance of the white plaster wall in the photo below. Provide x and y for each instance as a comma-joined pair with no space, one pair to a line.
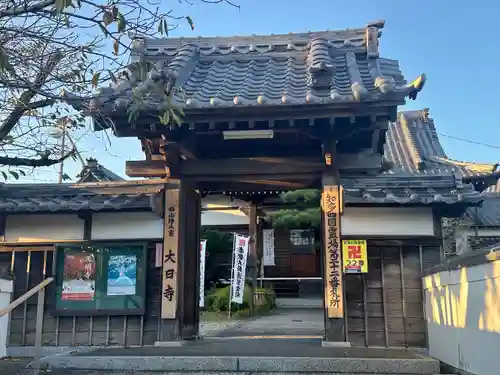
126,226
223,217
462,309
43,228
105,226
387,221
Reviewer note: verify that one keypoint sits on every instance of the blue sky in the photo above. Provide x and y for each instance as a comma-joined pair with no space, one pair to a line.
456,43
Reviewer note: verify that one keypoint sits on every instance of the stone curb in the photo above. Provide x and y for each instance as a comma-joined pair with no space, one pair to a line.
423,366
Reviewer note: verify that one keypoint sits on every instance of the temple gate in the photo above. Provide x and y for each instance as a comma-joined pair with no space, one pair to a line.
261,114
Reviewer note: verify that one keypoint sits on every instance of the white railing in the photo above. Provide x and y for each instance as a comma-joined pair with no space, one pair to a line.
40,289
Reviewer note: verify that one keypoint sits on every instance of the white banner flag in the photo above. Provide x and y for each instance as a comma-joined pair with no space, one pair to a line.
239,267
203,252
268,242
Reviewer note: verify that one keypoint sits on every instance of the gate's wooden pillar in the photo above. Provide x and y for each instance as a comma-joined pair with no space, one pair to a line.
331,204
189,253
180,271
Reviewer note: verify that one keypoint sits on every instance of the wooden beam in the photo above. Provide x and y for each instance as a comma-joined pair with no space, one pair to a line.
227,167
181,148
277,183
258,168
145,168
25,248
250,186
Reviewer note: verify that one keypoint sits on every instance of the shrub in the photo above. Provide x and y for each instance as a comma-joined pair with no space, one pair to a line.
219,300
269,298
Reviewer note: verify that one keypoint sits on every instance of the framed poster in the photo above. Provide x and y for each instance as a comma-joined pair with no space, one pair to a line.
100,279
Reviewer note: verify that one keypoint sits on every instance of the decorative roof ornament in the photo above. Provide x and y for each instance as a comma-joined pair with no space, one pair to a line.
321,66
416,86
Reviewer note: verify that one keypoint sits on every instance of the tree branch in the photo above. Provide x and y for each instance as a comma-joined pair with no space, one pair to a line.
44,161
27,9
39,104
22,104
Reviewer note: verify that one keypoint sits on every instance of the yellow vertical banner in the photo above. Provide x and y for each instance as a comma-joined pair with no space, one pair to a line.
331,207
354,256
170,266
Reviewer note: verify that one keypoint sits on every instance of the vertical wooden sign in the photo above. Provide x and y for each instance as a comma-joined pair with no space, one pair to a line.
170,266
331,207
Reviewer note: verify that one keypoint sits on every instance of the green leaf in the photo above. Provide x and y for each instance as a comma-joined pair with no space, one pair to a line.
160,27
121,22
95,79
190,21
14,174
165,26
177,119
103,28
23,173
165,118
4,175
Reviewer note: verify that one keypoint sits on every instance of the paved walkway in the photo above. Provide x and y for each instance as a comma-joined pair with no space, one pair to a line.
12,366
211,328
254,348
280,322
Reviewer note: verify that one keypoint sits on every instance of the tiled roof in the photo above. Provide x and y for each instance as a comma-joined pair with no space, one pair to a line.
488,214
410,189
412,145
26,198
298,68
422,174
398,189
95,172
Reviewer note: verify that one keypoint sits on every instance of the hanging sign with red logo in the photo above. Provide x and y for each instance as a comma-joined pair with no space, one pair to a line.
355,257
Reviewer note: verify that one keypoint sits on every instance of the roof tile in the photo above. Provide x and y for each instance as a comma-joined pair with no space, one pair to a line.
94,171
320,67
412,145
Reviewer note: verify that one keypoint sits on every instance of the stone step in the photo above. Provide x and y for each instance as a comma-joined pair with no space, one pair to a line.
240,364
101,372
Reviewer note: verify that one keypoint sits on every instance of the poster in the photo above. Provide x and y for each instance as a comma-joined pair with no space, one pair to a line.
354,256
203,254
79,277
240,255
268,241
122,275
